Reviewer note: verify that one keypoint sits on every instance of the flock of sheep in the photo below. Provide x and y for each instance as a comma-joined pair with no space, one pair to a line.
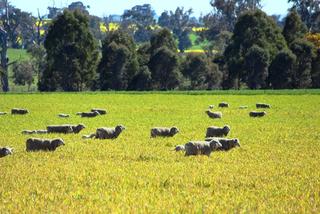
215,136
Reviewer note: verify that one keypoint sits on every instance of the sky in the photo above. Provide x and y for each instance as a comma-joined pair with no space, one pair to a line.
106,7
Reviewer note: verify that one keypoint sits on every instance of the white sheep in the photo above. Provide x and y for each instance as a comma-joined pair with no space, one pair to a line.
66,129
214,131
201,147
263,105
100,111
3,113
164,131
214,115
107,133
226,144
63,115
37,144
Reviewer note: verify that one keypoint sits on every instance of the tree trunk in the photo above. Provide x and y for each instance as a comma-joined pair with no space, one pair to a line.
4,61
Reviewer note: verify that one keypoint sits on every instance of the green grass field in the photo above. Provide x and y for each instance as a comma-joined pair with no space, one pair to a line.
276,170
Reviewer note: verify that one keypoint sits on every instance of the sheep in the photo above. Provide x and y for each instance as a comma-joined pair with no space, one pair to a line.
37,144
263,105
3,113
179,148
28,132
243,107
63,115
214,131
5,151
214,115
88,136
223,105
227,144
257,113
164,132
201,147
108,133
66,129
211,106
89,114
100,111
41,131
19,111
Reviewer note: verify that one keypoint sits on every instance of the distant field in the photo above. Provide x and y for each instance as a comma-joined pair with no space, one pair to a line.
276,170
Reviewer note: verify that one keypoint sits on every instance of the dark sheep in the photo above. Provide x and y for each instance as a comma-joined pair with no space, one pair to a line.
223,105
108,133
5,151
89,114
37,144
19,111
65,129
214,115
164,132
227,144
257,113
263,105
201,147
214,131
100,111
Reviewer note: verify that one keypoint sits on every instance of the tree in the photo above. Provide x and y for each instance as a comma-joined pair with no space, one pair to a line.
71,54
282,70
38,55
119,63
138,21
309,11
315,73
23,73
4,46
304,51
163,38
294,28
143,80
252,29
256,63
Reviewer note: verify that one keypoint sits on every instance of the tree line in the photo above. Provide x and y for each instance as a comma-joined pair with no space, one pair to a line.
245,48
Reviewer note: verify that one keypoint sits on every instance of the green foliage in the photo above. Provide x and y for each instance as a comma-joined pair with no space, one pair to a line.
163,38
23,73
282,70
71,54
274,170
294,28
315,74
304,51
119,63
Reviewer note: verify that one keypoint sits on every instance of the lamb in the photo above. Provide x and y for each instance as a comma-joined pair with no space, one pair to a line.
63,115
223,105
179,148
108,133
227,144
214,131
19,111
100,111
37,144
201,147
5,151
66,129
214,115
257,113
263,105
3,113
89,114
164,132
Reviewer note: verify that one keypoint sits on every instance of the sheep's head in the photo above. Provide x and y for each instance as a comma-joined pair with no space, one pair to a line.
236,142
226,129
207,111
78,128
174,130
120,128
5,151
57,142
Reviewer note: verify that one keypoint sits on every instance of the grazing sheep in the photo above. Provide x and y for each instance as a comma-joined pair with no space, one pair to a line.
19,111
88,136
108,133
100,111
28,132
214,115
263,105
243,107
3,113
257,113
5,151
41,131
227,144
223,105
164,132
89,114
201,147
211,106
63,115
179,148
66,129
37,144
214,131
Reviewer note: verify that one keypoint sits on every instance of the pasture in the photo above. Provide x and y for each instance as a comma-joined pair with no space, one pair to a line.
276,169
